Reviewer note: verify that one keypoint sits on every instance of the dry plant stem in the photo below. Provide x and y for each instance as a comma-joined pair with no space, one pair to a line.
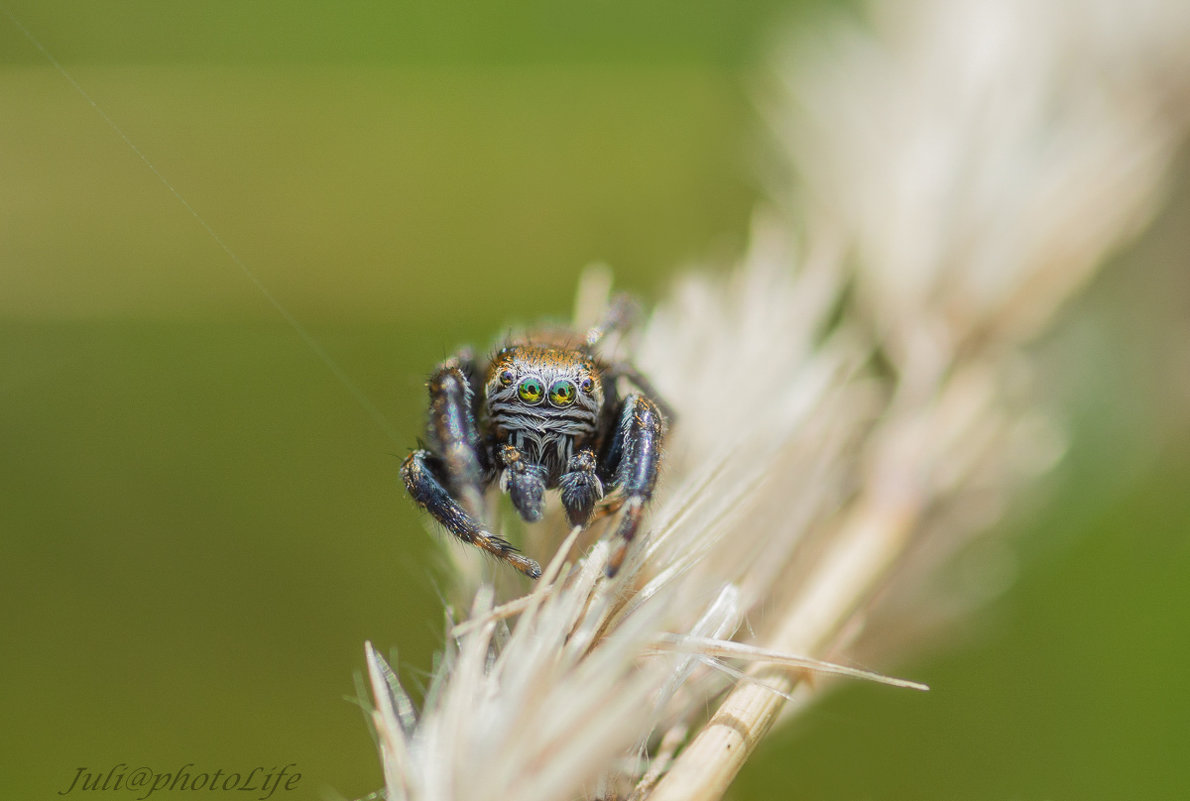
708,765
670,743
730,649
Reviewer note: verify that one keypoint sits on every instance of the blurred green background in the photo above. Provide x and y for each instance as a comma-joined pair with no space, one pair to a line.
199,524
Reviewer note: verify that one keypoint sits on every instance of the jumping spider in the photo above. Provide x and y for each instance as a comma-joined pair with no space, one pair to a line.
543,413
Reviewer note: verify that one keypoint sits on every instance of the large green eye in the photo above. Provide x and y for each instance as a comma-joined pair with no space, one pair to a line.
562,393
531,390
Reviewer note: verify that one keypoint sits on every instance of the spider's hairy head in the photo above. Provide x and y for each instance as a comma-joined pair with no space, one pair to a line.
547,382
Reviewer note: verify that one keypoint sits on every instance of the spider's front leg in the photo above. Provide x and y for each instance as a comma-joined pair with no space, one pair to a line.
453,433
422,472
635,456
447,481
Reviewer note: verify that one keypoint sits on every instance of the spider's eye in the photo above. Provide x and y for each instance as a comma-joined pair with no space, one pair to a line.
587,385
506,377
562,393
531,391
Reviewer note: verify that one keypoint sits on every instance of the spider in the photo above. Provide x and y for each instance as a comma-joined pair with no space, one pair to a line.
543,413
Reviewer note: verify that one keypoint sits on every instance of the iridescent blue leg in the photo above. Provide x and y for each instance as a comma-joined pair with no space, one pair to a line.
453,434
638,379
423,475
635,455
620,315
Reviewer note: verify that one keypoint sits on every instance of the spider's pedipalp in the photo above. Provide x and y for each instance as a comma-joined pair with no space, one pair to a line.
524,482
581,487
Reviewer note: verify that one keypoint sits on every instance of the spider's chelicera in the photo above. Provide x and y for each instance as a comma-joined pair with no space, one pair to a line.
543,413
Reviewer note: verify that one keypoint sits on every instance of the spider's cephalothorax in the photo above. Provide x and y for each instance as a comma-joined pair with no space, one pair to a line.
542,414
